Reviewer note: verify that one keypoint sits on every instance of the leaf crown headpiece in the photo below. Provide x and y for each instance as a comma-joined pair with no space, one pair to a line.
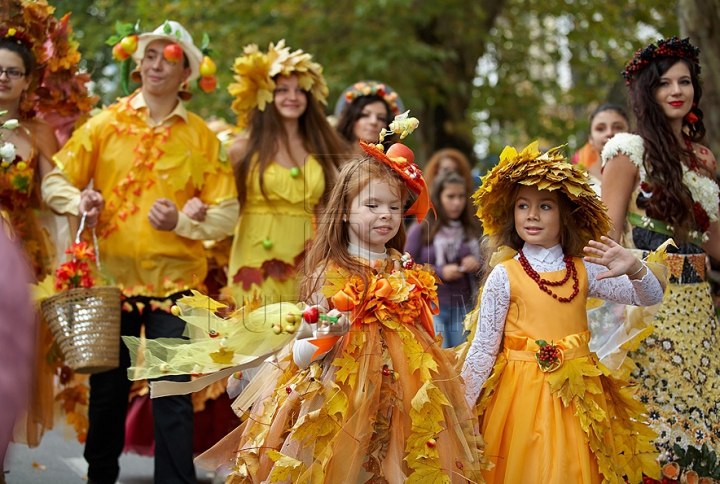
255,72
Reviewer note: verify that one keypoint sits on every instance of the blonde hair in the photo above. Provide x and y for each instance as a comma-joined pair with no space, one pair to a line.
330,245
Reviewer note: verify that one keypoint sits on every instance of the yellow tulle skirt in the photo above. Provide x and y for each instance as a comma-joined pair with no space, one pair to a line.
384,404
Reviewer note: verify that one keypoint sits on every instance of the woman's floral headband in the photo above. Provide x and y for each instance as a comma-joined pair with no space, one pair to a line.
672,47
372,88
17,36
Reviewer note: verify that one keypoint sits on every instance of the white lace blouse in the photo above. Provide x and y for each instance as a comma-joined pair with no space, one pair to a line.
496,301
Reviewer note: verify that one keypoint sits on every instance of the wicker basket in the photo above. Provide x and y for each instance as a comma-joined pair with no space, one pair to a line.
86,325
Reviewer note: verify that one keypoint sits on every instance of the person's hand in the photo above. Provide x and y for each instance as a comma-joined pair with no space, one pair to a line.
470,264
327,328
451,272
195,209
91,204
616,258
163,215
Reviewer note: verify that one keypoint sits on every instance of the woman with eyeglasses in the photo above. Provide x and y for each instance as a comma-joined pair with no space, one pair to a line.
29,91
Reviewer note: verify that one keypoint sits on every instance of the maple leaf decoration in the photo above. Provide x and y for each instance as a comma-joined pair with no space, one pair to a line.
285,467
199,300
277,269
248,276
222,357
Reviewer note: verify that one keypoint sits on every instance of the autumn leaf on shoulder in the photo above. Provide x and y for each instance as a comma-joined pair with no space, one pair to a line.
335,280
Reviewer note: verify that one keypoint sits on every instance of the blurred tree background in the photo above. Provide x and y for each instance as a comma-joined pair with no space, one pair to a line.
478,74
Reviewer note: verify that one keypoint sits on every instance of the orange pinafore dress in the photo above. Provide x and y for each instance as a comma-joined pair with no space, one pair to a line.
575,424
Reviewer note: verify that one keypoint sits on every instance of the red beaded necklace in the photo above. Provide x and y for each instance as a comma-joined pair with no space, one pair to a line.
544,283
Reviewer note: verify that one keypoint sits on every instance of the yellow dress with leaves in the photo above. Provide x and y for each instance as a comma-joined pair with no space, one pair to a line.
384,406
577,424
270,237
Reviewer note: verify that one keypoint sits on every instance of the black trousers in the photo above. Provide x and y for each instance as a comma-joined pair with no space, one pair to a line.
173,416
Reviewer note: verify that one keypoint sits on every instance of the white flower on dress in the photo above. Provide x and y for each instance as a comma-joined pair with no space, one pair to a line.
703,190
7,152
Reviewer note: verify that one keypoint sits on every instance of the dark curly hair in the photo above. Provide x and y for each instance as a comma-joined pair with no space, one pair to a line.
664,154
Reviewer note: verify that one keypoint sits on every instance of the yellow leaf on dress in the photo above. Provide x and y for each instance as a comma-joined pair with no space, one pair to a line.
285,467
428,472
199,167
348,369
643,464
222,357
568,380
320,426
198,300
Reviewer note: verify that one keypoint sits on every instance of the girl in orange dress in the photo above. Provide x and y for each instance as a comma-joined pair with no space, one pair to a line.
548,409
369,395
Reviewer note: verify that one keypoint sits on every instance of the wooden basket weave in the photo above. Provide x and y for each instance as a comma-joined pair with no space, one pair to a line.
86,325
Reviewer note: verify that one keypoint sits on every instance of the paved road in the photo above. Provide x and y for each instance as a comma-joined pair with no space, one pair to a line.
60,461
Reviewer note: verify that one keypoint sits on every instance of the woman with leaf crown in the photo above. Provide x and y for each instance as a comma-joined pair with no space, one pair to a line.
285,161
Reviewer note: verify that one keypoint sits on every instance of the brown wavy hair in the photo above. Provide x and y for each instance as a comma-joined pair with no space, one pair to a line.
664,154
267,135
330,246
570,239
471,225
351,113
433,166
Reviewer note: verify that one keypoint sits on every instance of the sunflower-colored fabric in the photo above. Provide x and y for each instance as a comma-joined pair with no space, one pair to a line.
577,424
134,162
272,233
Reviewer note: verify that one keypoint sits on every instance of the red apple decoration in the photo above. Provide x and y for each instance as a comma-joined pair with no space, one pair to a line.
173,53
311,314
208,83
119,53
400,150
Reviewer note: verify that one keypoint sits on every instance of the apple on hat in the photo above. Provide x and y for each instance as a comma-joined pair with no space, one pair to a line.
129,43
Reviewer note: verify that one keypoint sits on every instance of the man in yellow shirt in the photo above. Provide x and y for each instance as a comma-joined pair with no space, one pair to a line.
146,157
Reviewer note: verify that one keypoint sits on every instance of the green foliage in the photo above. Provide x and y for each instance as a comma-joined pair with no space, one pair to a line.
704,461
122,30
554,62
545,64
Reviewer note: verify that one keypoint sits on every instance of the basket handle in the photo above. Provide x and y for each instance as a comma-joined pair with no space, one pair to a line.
95,241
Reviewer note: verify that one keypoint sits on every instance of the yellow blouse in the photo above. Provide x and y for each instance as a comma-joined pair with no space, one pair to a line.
133,162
